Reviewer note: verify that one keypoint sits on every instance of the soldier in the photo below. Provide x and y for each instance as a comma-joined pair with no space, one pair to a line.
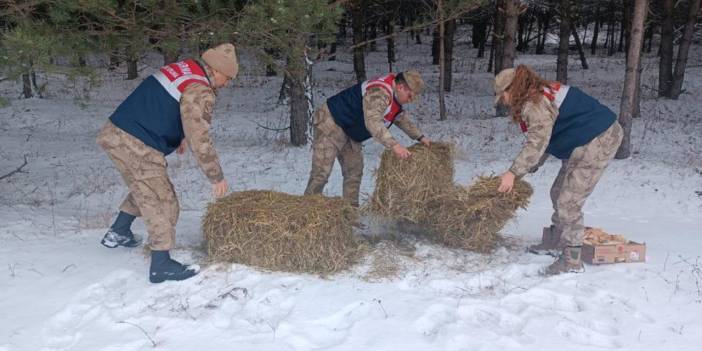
565,122
170,109
354,115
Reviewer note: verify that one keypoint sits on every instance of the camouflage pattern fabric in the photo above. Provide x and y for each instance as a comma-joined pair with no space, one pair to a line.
577,179
331,143
151,194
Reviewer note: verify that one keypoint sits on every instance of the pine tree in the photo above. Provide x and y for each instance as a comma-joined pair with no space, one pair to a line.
291,28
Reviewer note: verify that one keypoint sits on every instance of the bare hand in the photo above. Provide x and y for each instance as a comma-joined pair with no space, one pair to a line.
400,151
182,147
506,182
220,189
426,141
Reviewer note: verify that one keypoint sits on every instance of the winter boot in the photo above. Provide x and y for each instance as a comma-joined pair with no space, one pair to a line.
164,268
570,261
113,239
120,233
550,243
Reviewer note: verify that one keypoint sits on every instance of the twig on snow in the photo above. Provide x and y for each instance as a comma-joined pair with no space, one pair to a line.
153,343
18,170
273,129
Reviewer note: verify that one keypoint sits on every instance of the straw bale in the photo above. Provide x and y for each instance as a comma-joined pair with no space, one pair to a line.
403,187
282,232
472,217
420,190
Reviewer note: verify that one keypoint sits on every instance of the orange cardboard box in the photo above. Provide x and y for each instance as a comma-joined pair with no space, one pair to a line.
614,253
609,252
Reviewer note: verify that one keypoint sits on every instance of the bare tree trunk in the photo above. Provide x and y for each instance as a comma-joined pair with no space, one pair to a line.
627,14
435,46
521,34
372,34
300,100
609,43
583,60
509,49
340,35
630,78
528,34
481,46
359,64
449,34
114,61
622,31
648,37
27,86
665,65
595,33
132,69
478,33
563,43
491,58
636,113
510,15
498,36
298,113
389,30
683,49
541,42
284,88
442,63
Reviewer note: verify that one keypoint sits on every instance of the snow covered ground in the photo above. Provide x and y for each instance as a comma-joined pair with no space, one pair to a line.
61,290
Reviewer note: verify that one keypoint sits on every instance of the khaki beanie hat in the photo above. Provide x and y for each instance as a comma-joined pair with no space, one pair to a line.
414,81
502,82
222,58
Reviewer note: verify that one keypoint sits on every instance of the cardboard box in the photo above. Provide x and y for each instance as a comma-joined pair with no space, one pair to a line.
614,253
603,253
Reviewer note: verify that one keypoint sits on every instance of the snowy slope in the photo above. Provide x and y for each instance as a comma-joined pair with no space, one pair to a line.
61,290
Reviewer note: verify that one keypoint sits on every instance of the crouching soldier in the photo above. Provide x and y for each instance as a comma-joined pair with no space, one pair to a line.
353,116
170,109
565,122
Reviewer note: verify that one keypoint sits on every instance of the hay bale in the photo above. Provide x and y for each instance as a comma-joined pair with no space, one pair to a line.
472,217
403,187
419,192
282,232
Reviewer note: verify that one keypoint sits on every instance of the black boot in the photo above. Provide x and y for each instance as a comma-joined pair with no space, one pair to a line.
120,233
550,243
113,239
164,268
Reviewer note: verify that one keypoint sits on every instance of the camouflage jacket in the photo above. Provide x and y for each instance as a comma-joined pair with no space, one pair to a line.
539,119
375,102
196,107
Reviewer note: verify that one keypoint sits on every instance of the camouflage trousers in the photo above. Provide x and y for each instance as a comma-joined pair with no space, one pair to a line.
151,194
331,143
577,179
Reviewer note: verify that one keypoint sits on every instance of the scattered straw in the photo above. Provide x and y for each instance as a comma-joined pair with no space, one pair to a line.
282,232
471,217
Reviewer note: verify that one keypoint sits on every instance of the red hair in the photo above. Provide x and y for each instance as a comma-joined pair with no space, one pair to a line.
526,86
